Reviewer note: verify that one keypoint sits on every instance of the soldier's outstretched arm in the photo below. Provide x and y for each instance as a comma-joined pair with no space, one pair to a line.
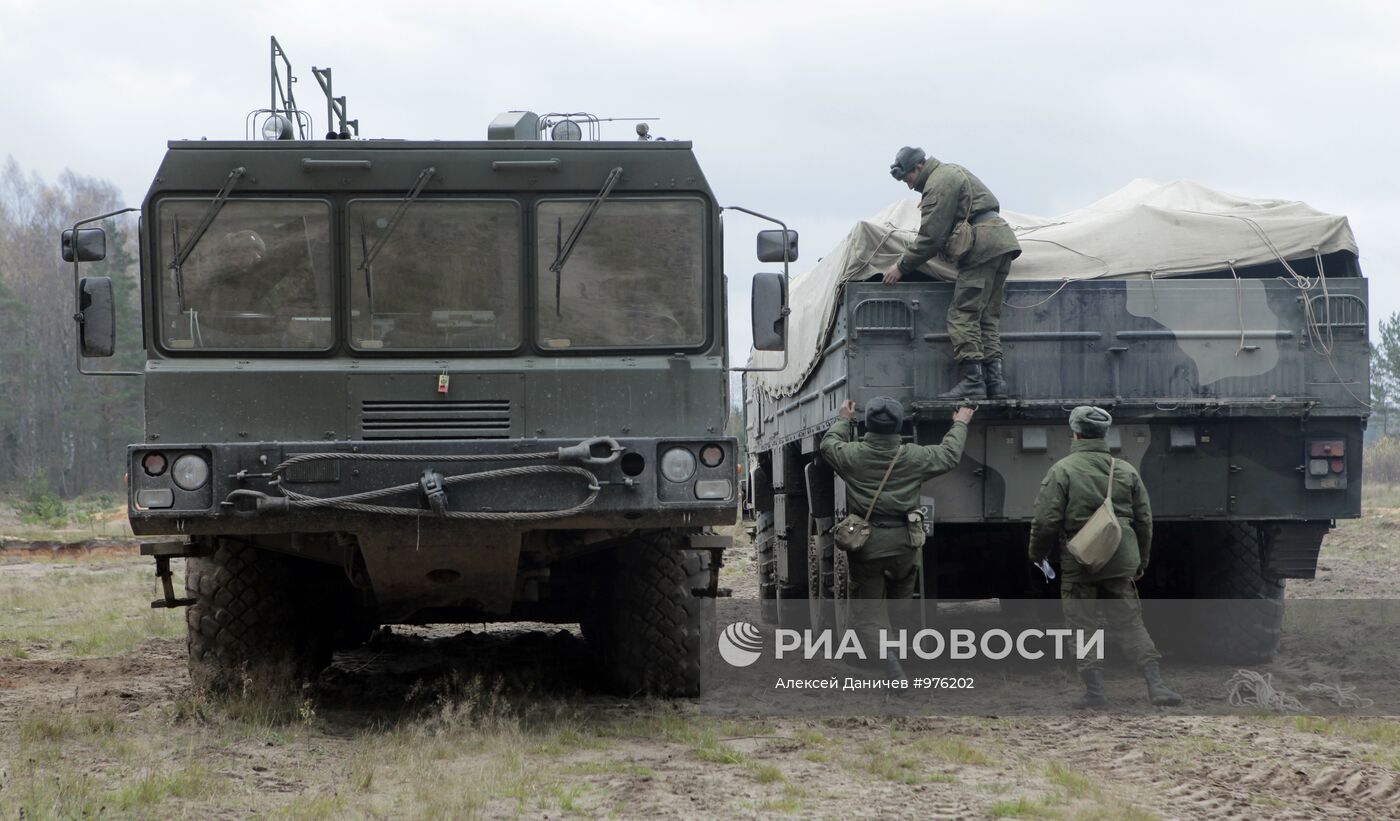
938,459
837,441
1049,520
1142,521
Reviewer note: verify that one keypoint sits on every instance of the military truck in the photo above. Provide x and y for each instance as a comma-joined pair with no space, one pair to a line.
406,382
1229,344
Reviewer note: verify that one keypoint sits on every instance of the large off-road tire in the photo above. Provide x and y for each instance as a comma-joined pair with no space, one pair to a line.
764,543
251,627
661,618
820,600
1244,620
841,619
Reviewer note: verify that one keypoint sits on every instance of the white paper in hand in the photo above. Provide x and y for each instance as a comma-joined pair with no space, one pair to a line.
1046,569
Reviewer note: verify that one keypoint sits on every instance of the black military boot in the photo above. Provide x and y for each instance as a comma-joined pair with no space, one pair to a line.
1157,692
972,386
996,380
1093,698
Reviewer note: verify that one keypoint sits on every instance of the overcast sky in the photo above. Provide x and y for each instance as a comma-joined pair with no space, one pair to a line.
795,109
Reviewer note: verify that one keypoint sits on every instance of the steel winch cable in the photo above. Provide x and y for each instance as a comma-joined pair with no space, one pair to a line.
357,501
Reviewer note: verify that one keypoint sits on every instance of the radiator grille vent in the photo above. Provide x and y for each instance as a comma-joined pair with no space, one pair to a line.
460,419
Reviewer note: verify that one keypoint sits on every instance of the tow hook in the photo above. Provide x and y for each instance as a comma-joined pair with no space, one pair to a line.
163,552
585,451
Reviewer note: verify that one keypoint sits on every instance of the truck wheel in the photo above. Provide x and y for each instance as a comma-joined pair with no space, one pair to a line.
1230,566
661,619
763,535
248,626
820,555
840,593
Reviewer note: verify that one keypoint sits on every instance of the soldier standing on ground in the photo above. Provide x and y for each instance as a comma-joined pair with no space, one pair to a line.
885,567
1070,493
950,197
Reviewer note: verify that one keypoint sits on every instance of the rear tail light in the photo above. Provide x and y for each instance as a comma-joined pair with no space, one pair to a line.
1326,464
1325,448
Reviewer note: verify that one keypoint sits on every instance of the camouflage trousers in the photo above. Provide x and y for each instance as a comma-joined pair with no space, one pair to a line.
873,583
1111,604
974,315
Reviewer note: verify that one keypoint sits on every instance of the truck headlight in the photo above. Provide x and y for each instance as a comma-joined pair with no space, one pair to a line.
190,472
678,464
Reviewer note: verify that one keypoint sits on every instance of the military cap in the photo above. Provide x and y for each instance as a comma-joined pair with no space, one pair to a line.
1090,422
904,161
883,414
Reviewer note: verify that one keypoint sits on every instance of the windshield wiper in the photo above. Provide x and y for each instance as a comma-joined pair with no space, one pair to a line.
423,177
562,255
179,275
183,252
369,277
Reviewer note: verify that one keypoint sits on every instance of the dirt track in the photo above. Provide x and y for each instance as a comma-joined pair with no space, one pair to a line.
509,722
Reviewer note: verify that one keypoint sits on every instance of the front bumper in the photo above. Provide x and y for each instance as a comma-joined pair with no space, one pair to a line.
632,492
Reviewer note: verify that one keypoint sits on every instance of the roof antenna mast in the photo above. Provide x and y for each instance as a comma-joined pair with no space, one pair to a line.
277,121
335,108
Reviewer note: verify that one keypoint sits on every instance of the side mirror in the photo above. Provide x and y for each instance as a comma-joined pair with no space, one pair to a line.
769,311
97,331
771,247
90,247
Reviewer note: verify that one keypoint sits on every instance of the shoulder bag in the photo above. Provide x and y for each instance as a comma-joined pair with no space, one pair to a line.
1097,541
852,532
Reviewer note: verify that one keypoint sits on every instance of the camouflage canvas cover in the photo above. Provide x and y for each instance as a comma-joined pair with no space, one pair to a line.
1145,229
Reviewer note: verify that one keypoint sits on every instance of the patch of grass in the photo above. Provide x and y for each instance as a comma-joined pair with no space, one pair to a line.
717,753
103,610
314,807
56,792
953,750
563,742
816,756
1021,808
190,781
792,801
609,768
566,798
1074,784
768,774
45,727
812,738
1381,732
897,768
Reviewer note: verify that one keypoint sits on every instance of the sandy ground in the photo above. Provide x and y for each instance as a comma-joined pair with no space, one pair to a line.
97,718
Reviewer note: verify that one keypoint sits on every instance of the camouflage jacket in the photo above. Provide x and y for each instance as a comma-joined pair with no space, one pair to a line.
861,465
943,205
1069,495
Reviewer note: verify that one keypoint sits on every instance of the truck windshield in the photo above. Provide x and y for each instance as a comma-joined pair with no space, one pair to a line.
635,278
448,276
259,277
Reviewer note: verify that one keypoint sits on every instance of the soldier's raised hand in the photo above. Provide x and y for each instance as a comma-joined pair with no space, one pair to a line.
892,274
964,414
847,410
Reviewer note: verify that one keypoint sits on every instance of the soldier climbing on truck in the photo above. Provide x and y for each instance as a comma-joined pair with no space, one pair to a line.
1227,336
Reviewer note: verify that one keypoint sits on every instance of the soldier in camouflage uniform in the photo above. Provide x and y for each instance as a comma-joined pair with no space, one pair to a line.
1070,493
885,567
950,195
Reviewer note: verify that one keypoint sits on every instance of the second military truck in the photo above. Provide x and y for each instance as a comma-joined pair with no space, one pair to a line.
1228,337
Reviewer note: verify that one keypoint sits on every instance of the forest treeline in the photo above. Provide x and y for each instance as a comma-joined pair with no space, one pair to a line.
61,432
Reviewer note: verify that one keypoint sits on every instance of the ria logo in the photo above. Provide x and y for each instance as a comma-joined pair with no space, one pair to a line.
740,644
